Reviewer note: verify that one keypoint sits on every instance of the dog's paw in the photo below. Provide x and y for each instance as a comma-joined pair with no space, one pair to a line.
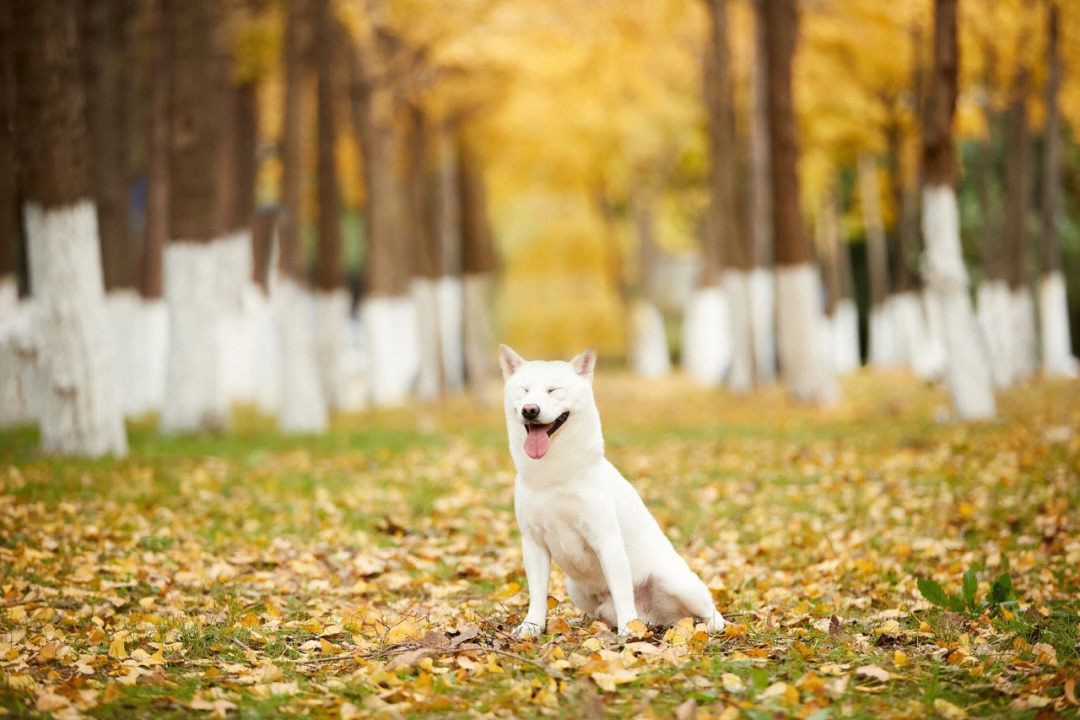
716,623
633,626
528,630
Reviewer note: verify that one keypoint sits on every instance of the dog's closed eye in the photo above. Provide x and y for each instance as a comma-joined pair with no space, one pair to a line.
555,389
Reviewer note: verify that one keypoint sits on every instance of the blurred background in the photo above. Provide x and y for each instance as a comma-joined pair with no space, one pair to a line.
314,206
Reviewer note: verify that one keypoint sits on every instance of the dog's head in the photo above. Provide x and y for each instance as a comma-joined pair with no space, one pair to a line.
541,396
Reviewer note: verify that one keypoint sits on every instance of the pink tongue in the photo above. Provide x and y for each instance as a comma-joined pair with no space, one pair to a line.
537,441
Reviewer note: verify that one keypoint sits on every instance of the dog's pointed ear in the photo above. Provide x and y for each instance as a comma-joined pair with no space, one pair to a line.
584,363
509,361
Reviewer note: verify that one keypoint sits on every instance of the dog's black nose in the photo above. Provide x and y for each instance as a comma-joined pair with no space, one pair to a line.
529,412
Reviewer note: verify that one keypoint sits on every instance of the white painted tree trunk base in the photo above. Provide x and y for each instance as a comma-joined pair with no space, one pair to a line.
883,350
9,297
80,410
845,334
194,396
18,365
13,409
648,341
140,336
736,284
424,298
250,342
913,336
356,390
480,364
303,405
992,308
763,322
804,340
451,299
968,374
331,328
22,345
1024,345
706,341
1056,343
936,360
391,331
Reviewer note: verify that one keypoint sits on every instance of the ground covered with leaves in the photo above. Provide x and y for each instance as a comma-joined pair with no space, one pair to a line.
875,560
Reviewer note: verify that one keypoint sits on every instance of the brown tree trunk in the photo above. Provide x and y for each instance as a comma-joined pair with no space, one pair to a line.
297,42
428,250
761,190
837,268
247,128
156,230
194,209
939,155
877,259
104,62
792,246
477,246
328,275
51,104
722,245
231,197
1017,189
1050,249
9,197
992,257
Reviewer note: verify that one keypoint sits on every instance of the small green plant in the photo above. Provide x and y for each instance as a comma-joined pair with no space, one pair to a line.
967,604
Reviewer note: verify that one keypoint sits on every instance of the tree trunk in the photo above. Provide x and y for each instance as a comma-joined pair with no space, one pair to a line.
883,349
802,331
156,230
992,297
388,314
427,253
331,296
843,315
762,278
297,41
478,261
9,198
728,252
1021,328
304,405
103,51
450,288
80,414
328,276
968,371
1057,357
205,263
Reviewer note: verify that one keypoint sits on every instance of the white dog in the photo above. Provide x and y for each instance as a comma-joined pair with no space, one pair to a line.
574,507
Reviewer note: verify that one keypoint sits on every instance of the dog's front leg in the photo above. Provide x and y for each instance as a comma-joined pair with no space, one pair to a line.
620,581
538,573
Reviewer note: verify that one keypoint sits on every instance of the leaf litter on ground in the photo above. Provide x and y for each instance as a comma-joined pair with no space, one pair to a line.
872,560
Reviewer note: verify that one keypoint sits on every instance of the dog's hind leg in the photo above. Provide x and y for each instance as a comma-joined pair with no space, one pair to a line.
687,595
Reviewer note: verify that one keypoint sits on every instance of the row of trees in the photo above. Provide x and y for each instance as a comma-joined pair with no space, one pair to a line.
241,124
935,331
211,301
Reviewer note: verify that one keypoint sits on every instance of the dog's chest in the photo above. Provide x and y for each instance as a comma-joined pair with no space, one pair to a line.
563,537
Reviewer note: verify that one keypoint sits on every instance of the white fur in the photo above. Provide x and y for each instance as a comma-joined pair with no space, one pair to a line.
574,507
